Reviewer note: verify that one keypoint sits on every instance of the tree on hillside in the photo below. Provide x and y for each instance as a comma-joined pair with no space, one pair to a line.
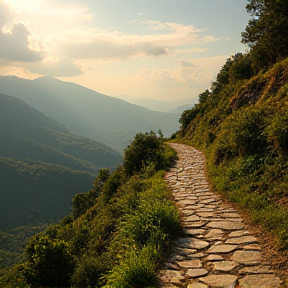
266,32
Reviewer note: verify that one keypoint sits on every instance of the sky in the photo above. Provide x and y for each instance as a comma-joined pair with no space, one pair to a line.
160,49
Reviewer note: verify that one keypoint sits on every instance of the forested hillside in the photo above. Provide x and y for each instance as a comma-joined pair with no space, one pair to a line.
42,166
26,133
117,232
242,121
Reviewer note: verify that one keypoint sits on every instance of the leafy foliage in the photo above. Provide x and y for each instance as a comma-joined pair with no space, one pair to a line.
49,262
242,127
118,236
145,149
266,32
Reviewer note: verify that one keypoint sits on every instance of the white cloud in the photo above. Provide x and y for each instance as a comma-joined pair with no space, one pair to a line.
191,72
83,43
15,45
55,68
186,63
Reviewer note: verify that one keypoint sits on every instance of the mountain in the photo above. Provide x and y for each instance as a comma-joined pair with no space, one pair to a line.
43,165
27,133
179,110
88,113
163,106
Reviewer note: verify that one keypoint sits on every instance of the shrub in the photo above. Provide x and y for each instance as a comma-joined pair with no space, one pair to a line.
49,262
145,149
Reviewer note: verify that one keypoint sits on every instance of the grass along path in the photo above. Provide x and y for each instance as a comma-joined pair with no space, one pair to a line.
218,249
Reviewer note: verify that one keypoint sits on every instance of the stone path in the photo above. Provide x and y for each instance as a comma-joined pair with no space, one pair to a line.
217,250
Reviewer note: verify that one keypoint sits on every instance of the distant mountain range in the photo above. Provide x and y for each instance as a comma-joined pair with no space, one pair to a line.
85,112
176,107
43,165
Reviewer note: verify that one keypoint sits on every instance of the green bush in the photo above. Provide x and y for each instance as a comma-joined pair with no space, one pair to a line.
135,270
241,134
145,149
49,262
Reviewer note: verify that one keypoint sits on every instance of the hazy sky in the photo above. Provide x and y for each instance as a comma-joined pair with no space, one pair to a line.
160,49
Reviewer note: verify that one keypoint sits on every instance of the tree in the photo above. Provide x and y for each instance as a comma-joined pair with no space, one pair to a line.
266,32
49,262
145,149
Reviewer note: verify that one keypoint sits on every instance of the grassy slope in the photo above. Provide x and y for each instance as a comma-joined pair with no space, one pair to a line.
121,239
243,129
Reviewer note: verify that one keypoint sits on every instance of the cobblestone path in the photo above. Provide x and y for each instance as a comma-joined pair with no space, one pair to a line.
217,250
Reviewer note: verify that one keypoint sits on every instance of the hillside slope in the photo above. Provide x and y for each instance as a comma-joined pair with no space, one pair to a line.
26,133
88,113
242,125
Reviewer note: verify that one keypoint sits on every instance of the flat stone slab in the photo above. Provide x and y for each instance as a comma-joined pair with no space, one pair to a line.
184,251
195,224
214,257
260,281
187,202
238,233
223,280
256,247
193,218
171,276
194,273
195,263
195,231
247,257
224,248
225,266
256,270
192,243
226,225
242,240
214,233
205,214
197,285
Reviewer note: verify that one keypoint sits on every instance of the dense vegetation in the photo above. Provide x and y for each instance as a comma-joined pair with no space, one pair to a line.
241,122
42,166
36,192
26,133
117,232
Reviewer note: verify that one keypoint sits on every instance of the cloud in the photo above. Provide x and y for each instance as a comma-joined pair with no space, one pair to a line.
5,14
200,73
56,68
15,45
83,43
186,63
106,47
